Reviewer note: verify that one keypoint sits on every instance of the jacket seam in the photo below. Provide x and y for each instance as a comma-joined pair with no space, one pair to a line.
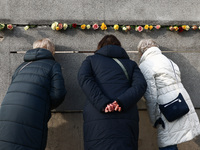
41,130
31,83
21,106
26,93
17,144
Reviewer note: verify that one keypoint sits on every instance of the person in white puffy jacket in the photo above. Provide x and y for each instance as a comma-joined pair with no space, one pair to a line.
162,87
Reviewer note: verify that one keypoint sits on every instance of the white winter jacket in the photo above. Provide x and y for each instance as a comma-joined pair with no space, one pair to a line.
162,88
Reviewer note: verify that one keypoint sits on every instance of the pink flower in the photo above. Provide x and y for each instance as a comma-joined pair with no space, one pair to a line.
95,26
60,26
10,26
139,28
157,27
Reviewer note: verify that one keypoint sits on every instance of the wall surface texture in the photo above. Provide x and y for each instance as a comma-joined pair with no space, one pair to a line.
73,45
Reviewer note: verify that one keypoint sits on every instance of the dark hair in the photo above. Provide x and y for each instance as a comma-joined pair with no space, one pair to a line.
108,40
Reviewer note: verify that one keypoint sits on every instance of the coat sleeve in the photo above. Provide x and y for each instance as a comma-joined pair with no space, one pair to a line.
151,94
57,91
90,87
133,94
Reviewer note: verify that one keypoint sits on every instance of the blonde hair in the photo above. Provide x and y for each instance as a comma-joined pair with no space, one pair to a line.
46,44
145,44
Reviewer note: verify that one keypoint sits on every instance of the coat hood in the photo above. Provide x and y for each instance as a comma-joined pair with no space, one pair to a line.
150,52
113,51
37,54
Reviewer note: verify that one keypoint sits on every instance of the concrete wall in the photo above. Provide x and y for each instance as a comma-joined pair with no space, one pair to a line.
65,126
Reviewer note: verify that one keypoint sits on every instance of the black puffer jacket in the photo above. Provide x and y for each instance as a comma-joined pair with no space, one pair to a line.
37,87
104,81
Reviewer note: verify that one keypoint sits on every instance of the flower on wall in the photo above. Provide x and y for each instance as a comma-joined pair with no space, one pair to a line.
26,27
103,26
9,26
185,27
65,26
146,27
128,28
54,25
2,26
194,27
158,27
150,27
95,26
180,29
60,26
88,26
116,27
83,26
74,25
139,28
124,28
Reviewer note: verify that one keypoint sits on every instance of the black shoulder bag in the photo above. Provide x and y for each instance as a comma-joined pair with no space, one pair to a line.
176,108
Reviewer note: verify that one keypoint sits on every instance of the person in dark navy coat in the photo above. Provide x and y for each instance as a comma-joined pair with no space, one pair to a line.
37,87
111,120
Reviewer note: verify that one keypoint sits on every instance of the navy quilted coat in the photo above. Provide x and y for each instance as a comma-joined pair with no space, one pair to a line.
34,91
104,81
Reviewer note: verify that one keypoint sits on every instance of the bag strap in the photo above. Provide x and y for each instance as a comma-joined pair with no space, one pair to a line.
122,66
24,66
174,71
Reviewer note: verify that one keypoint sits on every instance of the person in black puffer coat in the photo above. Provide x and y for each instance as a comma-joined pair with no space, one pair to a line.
110,114
37,87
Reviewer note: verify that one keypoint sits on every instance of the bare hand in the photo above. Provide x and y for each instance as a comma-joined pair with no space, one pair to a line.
112,107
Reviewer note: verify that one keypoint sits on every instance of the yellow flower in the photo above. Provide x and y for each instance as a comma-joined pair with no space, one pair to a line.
184,27
150,27
83,26
103,26
116,27
146,27
54,25
26,27
57,28
175,28
65,26
88,26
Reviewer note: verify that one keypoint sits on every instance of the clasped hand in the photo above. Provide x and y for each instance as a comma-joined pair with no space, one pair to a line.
112,107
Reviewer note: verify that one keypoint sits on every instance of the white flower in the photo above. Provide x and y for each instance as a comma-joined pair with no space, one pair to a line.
65,26
88,26
26,27
54,25
124,29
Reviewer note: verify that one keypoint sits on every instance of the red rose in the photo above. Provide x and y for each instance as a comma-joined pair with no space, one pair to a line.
180,29
74,25
60,26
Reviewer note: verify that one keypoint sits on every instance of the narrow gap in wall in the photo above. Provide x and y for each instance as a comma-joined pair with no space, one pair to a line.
73,52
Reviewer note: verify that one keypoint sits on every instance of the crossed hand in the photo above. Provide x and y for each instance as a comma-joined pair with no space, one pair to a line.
112,107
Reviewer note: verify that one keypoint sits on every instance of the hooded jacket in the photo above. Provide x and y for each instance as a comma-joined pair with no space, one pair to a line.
37,87
163,85
103,81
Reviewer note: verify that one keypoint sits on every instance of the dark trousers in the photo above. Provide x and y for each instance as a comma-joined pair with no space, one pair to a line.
172,147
